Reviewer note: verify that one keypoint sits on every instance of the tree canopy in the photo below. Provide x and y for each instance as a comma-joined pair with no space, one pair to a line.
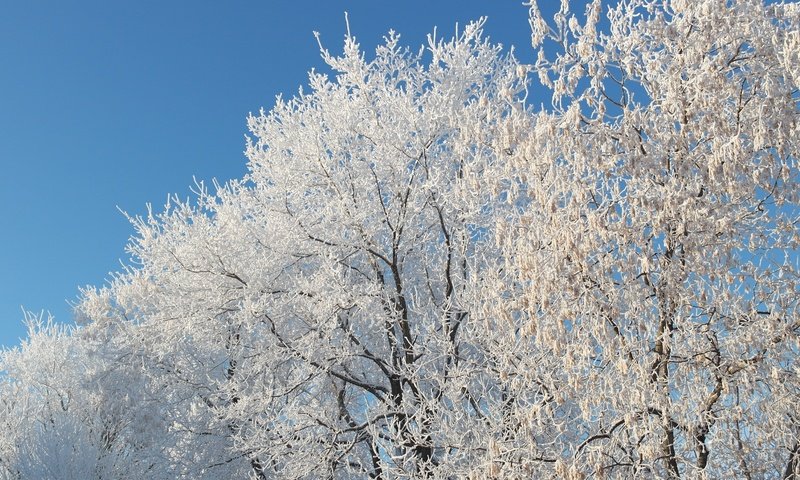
428,274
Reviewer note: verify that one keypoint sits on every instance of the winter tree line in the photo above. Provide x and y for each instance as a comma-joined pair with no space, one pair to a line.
428,274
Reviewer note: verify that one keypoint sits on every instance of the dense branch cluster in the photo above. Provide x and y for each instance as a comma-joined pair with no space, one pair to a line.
425,275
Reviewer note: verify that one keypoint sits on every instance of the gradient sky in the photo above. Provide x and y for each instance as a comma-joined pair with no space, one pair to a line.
107,105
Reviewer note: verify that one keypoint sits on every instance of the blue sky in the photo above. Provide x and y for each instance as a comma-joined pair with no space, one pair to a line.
117,104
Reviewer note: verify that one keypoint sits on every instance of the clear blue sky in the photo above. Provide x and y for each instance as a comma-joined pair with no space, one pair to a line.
106,104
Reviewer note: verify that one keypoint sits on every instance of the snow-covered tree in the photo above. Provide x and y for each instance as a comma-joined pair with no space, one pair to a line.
427,275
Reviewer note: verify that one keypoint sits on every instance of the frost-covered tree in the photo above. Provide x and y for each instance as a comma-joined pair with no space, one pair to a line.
426,275
62,415
657,253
